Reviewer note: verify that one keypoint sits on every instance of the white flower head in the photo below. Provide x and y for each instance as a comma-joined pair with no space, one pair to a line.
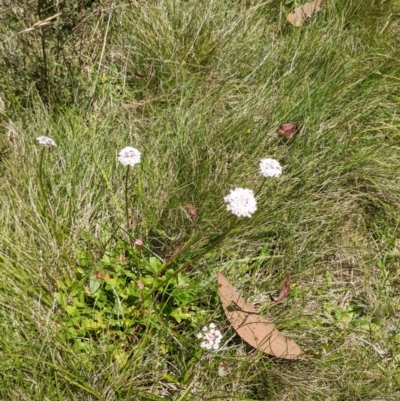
211,337
129,156
46,141
241,202
270,167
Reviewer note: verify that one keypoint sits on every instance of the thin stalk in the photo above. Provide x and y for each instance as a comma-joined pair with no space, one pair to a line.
195,259
192,241
58,236
126,199
127,220
53,220
44,53
260,187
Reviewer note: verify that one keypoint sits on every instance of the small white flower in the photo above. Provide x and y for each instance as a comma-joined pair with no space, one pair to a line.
129,156
211,337
270,167
46,141
241,202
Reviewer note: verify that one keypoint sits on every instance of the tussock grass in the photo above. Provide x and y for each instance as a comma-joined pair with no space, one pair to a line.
222,77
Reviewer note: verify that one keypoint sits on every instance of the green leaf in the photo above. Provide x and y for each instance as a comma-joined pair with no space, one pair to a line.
182,296
61,299
106,259
112,281
82,257
178,315
155,265
147,280
169,273
70,309
170,378
94,324
94,283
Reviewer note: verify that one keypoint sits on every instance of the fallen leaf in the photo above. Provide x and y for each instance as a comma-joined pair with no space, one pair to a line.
288,131
192,211
223,369
123,259
99,275
253,328
284,291
149,75
300,14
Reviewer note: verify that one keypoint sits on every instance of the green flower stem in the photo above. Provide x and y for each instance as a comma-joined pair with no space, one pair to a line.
195,259
260,187
126,199
42,190
127,221
189,244
53,221
42,186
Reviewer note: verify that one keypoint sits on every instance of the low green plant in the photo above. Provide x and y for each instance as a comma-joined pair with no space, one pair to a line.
109,299
201,88
130,290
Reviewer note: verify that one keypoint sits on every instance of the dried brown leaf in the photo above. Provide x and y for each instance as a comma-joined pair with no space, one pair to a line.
288,131
284,291
300,14
99,275
149,75
192,211
253,328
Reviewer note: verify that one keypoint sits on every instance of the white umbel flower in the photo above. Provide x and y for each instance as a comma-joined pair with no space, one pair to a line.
46,141
129,156
241,202
270,167
211,337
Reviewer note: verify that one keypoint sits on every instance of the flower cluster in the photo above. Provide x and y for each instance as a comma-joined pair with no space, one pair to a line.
270,167
211,337
46,141
129,156
241,202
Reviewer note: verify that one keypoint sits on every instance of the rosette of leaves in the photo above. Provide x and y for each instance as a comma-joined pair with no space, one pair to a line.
103,302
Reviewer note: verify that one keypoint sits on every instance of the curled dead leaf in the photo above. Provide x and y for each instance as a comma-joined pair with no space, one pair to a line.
99,275
284,291
192,211
300,14
149,75
123,259
253,328
288,131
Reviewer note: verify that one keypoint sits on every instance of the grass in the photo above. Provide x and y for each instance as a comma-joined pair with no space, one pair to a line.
222,77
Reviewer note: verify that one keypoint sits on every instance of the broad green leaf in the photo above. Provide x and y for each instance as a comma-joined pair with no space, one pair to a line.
93,324
71,309
113,281
106,259
147,280
155,264
61,299
178,315
94,283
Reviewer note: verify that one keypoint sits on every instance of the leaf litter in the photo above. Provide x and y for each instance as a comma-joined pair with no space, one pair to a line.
300,14
284,291
253,328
